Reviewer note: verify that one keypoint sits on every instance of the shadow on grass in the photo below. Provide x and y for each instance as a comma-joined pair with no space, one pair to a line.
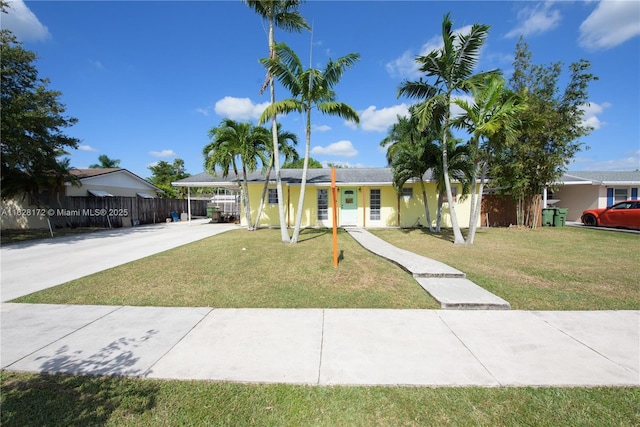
64,400
445,234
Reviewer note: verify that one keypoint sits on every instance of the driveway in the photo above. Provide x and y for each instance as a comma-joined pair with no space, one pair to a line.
33,266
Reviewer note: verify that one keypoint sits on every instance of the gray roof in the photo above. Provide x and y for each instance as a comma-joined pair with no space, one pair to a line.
354,176
602,177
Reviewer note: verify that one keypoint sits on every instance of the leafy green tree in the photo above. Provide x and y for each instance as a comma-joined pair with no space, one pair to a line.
105,162
411,154
289,153
234,143
32,121
284,15
549,133
164,173
310,89
491,119
299,163
452,68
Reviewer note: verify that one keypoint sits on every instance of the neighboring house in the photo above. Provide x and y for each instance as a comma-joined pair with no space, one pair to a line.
110,182
579,191
21,212
366,198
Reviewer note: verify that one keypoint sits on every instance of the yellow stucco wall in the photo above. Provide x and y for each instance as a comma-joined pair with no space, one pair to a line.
411,209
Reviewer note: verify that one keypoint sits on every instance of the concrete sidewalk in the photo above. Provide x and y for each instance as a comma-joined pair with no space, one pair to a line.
36,265
445,284
326,346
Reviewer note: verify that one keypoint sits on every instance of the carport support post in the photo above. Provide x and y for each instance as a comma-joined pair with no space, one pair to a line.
189,204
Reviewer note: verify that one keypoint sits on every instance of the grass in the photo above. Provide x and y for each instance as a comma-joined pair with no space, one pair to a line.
549,268
249,269
60,400
15,236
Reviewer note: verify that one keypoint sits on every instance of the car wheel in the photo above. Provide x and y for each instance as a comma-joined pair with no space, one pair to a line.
589,220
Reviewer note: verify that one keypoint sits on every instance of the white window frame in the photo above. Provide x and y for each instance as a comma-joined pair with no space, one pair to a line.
272,196
619,198
375,204
323,204
407,193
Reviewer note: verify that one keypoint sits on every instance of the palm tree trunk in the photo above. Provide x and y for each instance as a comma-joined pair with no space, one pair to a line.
439,211
303,184
475,214
457,235
245,197
264,193
426,205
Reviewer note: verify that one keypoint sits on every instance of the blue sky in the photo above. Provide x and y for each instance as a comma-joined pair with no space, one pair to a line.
147,80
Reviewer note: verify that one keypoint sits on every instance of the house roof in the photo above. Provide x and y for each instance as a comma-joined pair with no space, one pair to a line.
83,174
344,176
601,177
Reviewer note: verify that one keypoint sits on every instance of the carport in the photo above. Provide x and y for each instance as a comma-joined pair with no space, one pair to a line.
205,180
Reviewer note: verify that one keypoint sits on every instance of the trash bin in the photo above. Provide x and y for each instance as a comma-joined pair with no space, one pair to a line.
560,217
547,216
209,211
215,215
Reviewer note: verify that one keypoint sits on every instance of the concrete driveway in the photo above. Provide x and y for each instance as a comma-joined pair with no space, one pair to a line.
33,266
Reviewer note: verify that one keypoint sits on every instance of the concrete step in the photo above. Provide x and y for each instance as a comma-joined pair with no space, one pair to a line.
461,294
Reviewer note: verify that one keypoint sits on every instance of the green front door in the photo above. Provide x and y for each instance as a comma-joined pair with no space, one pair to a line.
348,207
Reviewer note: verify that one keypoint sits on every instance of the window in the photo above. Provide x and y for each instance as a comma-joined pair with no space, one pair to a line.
620,194
374,205
273,196
407,193
454,193
323,204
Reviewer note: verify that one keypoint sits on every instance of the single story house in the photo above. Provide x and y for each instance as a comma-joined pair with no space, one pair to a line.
365,196
21,212
110,182
582,190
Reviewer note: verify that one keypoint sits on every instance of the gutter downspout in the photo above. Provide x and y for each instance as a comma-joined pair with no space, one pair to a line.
189,204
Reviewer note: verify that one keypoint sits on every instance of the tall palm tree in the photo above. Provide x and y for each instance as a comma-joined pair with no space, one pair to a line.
282,14
105,162
452,65
233,141
491,120
289,153
411,154
310,89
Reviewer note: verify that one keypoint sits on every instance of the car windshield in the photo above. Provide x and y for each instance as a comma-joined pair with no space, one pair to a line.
623,205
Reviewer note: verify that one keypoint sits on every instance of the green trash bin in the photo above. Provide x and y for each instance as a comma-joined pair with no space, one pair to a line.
209,211
560,218
547,216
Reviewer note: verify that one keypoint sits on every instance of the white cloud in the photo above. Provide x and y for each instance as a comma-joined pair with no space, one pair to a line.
320,128
24,23
630,162
338,163
590,112
96,64
86,148
535,20
163,153
373,120
340,148
405,66
610,24
203,111
239,108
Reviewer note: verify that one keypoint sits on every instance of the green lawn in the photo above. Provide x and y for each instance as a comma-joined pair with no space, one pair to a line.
59,400
563,268
250,269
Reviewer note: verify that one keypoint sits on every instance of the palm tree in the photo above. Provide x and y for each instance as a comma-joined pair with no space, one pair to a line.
310,88
282,14
491,120
411,154
105,162
231,141
289,153
452,66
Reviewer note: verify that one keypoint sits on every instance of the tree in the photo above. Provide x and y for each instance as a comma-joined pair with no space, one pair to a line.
242,141
105,162
31,122
410,155
299,163
310,89
282,14
491,120
549,132
452,66
164,173
289,153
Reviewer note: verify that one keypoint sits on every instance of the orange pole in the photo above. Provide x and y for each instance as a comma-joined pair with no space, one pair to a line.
335,217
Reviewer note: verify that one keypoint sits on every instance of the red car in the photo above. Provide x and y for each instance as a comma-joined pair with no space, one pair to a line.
622,214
